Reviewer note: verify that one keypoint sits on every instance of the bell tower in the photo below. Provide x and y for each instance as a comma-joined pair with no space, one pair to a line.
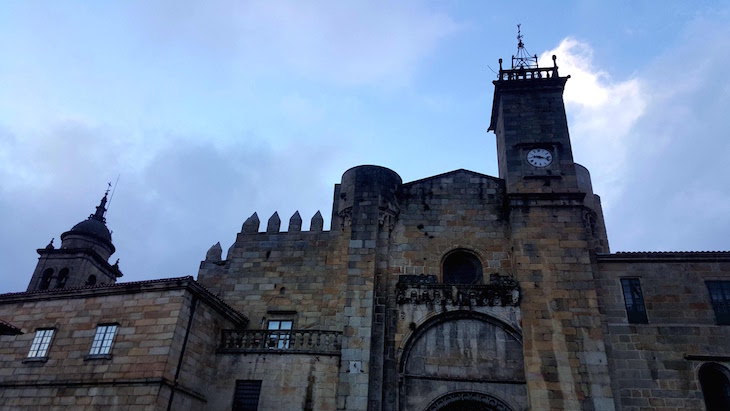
82,259
555,228
528,118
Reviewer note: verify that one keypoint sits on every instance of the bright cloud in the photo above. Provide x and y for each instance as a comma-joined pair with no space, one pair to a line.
602,113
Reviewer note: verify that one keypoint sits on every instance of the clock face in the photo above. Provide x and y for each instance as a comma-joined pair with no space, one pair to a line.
539,157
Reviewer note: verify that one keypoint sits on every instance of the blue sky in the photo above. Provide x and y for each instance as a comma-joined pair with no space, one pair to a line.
210,111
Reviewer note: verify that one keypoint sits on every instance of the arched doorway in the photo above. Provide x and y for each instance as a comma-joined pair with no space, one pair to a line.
468,401
453,359
715,387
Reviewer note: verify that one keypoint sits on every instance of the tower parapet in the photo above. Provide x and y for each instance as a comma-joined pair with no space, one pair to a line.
363,185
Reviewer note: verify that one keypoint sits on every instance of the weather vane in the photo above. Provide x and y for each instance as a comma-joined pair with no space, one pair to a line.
523,59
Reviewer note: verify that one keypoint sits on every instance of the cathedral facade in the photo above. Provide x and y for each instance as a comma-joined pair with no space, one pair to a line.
460,291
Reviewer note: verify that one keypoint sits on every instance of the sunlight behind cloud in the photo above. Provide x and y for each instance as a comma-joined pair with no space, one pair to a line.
601,111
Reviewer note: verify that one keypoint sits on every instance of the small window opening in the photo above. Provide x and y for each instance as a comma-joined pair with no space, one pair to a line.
46,279
246,396
715,387
91,280
102,343
634,300
62,278
462,267
282,291
41,342
720,297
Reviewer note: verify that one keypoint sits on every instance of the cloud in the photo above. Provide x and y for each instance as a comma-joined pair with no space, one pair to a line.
602,113
183,196
681,147
666,123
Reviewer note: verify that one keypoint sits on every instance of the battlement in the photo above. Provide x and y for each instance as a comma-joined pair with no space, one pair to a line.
273,225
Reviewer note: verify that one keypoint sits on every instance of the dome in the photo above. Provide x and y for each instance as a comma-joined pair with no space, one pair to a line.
94,227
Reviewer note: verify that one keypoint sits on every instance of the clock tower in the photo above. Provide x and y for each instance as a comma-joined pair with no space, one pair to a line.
555,229
528,118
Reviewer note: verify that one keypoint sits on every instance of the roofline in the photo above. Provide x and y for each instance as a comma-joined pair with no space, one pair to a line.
437,176
666,256
9,329
187,283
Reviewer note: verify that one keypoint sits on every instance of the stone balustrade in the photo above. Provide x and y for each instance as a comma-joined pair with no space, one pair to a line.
281,342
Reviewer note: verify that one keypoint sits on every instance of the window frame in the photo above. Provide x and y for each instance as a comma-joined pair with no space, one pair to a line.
721,306
636,309
101,342
45,338
461,256
239,395
282,339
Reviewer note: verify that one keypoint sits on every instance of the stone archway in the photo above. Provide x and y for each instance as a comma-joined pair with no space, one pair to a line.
455,358
468,401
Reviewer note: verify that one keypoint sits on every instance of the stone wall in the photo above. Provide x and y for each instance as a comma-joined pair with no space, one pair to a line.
289,381
565,355
654,365
284,272
152,321
132,397
461,210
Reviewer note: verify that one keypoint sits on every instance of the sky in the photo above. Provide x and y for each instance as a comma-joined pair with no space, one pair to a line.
206,112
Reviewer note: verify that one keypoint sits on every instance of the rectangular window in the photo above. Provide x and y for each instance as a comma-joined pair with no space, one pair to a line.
279,334
635,308
102,343
246,397
720,297
40,344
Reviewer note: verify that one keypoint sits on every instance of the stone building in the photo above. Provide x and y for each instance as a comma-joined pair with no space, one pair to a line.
459,291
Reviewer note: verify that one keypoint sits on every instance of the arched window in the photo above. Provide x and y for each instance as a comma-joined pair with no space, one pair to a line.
46,279
462,267
62,278
91,280
715,387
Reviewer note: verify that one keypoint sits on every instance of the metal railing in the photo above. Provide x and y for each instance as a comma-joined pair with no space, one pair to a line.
281,341
528,73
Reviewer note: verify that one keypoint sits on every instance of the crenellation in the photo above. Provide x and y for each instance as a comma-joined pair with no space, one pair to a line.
251,225
295,223
317,223
274,223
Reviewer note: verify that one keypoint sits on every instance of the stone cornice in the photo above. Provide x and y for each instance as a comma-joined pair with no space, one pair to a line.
676,256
